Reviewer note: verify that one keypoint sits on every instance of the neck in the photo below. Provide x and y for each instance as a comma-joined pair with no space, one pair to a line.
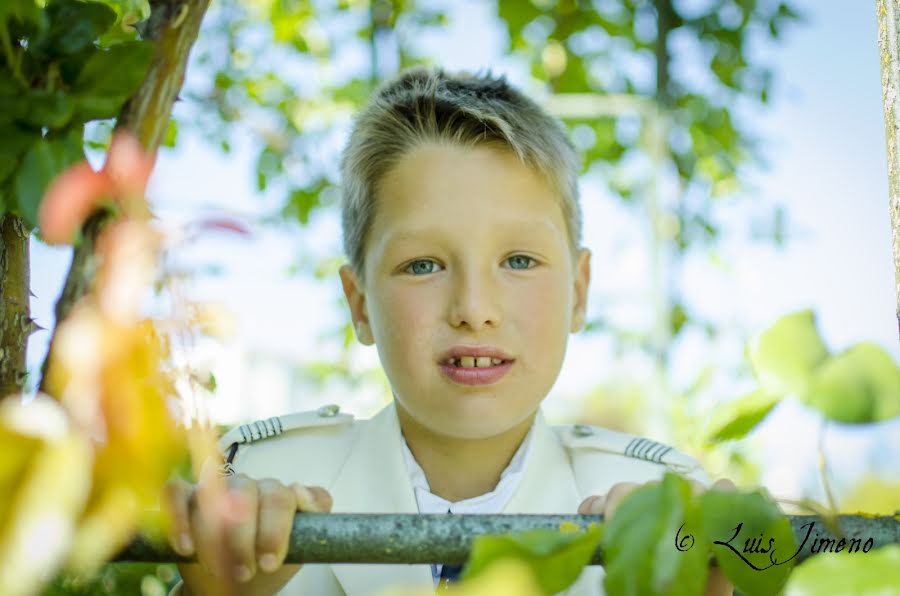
458,469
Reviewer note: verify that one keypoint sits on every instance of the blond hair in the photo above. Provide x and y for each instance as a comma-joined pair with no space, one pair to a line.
422,105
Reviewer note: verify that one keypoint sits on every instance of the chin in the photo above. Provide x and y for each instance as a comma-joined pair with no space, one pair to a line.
481,424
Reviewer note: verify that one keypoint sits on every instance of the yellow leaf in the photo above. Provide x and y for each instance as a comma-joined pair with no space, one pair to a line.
46,496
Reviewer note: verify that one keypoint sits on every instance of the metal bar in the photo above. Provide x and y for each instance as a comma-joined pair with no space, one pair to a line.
425,539
888,13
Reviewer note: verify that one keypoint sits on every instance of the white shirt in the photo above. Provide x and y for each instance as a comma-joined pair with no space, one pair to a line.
492,502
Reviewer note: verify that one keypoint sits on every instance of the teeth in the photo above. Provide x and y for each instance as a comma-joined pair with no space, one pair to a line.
473,362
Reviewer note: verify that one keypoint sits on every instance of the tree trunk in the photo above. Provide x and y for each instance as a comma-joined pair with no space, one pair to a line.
888,12
15,319
173,25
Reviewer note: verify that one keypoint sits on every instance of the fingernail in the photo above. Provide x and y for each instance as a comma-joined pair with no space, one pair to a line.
268,563
185,544
306,498
242,573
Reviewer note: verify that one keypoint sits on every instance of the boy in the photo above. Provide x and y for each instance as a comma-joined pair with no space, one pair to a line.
462,226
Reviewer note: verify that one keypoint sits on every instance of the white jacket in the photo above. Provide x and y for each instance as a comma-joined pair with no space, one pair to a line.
360,462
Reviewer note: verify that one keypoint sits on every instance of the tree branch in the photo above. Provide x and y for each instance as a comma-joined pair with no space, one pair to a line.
15,319
888,12
173,26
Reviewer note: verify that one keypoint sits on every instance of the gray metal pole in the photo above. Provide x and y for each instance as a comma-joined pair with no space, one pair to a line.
416,539
888,12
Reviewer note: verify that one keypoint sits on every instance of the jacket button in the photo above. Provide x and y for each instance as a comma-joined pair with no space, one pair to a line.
582,430
329,411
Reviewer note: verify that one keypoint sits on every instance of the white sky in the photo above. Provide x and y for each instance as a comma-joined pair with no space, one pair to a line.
824,137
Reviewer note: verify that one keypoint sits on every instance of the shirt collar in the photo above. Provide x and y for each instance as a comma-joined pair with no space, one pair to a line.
491,502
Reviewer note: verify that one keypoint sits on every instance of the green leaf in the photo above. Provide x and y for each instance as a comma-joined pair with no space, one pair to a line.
555,558
16,142
109,77
48,110
171,134
736,418
859,385
302,201
43,162
845,574
785,355
25,11
74,26
651,544
13,99
751,539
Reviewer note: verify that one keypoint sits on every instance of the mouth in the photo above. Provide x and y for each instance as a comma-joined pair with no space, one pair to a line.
483,371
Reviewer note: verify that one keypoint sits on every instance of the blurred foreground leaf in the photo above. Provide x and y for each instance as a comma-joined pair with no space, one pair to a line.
784,355
555,558
641,558
848,574
859,385
751,538
738,417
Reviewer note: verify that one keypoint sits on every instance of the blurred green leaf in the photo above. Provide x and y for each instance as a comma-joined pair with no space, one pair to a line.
171,137
859,385
641,542
25,11
73,26
738,417
43,161
16,142
785,355
109,77
556,558
844,574
52,110
751,539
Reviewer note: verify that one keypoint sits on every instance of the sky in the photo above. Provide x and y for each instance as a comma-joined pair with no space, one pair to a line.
823,137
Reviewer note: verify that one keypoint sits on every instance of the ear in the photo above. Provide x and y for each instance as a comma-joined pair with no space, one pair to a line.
579,295
356,300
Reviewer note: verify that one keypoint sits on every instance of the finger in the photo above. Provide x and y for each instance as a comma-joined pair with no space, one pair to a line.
717,583
176,501
592,505
313,499
241,534
615,496
277,506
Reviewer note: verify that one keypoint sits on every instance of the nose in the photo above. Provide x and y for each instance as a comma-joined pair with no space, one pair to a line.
474,300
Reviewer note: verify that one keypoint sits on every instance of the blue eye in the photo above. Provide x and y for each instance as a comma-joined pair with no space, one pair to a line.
428,268
521,259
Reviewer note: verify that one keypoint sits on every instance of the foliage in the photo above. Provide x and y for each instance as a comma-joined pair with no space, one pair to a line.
860,385
659,542
842,574
555,558
62,66
639,542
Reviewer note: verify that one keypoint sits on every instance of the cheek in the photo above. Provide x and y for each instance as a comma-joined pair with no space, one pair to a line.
405,319
544,310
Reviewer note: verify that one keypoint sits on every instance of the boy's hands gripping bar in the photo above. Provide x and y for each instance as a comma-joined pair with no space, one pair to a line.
447,539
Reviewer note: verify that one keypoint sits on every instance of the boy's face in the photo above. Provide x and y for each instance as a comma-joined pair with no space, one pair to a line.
469,247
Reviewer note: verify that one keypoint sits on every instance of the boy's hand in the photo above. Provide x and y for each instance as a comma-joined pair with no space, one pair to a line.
717,584
245,539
